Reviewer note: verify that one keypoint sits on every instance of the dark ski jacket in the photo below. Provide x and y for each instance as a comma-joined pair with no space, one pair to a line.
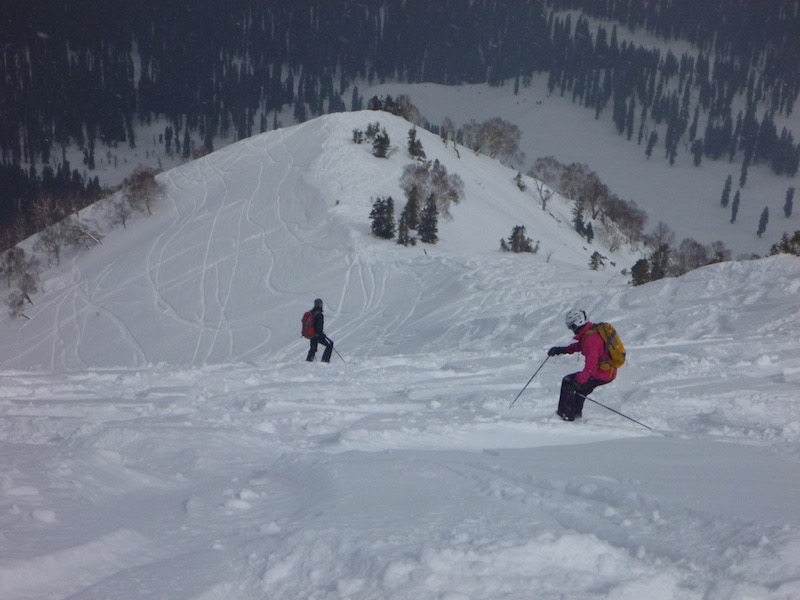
319,321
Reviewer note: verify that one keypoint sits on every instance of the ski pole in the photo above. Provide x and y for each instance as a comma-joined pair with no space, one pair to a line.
335,350
529,382
339,355
614,411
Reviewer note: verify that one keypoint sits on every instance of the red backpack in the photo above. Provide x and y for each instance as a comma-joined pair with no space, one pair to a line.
307,321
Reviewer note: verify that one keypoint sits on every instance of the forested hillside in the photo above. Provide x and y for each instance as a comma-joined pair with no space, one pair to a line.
87,74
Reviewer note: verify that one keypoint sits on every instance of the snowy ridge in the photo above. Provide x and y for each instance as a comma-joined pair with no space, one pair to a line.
250,234
162,437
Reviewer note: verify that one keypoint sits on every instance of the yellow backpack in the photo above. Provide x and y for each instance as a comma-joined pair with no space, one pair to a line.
614,346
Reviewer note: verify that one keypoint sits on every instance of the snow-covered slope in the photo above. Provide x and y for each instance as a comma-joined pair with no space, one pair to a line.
161,435
248,236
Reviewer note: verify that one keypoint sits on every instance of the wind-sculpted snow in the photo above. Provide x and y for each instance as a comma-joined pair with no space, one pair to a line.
162,436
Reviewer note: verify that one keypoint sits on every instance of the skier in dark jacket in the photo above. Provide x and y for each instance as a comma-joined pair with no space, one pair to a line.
319,335
597,369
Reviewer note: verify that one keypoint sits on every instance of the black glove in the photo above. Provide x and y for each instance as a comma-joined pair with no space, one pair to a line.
556,350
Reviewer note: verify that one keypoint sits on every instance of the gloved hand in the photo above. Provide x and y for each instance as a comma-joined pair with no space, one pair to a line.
556,350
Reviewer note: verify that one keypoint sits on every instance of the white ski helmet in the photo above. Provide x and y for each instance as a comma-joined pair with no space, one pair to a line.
576,318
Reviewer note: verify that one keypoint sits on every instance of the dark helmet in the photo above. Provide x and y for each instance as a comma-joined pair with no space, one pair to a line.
318,303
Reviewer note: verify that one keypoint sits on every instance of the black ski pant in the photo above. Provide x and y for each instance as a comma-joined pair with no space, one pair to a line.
570,402
325,341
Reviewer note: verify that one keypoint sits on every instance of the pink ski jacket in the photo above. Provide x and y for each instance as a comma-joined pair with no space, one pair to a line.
591,345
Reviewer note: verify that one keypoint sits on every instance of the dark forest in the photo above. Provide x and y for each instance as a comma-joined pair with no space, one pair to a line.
85,74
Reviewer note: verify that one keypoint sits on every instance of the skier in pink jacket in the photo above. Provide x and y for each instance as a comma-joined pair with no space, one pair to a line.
597,368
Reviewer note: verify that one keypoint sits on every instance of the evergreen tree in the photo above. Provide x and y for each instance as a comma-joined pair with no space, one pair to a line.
187,144
672,152
651,143
743,173
697,152
577,217
787,245
382,216
589,232
735,138
659,262
693,126
518,241
429,222
415,145
640,272
300,113
735,206
787,206
642,120
596,261
726,192
380,145
356,103
762,221
629,118
411,210
390,229
403,236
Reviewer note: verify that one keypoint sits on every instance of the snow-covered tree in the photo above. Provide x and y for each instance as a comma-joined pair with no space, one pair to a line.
432,179
11,263
546,173
498,137
689,255
142,191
